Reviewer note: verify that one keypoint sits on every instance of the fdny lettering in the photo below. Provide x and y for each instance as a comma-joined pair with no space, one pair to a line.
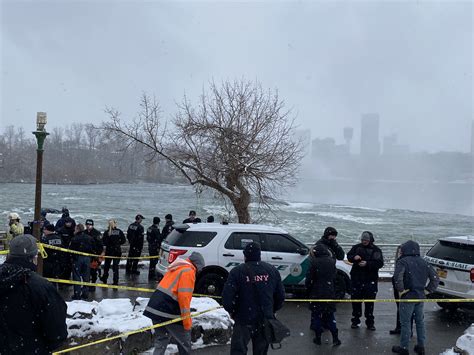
258,278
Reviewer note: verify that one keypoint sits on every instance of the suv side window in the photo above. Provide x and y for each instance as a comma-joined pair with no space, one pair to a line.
451,251
195,239
281,243
238,240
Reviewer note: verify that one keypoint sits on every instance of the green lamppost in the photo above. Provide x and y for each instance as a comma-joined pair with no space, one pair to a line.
40,135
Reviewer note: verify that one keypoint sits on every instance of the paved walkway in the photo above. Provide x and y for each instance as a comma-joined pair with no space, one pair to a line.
443,328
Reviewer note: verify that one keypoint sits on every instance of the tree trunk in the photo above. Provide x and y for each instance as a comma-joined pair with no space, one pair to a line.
241,206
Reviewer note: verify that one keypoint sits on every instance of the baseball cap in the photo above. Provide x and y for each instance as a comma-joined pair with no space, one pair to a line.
23,245
139,216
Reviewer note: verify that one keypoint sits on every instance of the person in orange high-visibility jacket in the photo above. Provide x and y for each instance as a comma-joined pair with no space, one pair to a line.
172,299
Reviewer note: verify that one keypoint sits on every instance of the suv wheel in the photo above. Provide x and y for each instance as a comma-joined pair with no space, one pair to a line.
341,286
448,306
210,284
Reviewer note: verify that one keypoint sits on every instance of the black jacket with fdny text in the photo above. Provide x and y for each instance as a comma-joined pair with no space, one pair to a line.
239,297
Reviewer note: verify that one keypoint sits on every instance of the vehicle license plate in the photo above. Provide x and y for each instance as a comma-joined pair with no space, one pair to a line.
442,273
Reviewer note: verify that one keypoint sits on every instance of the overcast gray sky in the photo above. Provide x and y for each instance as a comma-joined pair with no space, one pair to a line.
332,61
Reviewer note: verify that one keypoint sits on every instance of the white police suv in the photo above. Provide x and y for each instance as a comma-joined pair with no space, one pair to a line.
453,260
222,248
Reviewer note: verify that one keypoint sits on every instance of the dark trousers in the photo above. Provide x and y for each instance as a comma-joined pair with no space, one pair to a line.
115,269
154,261
241,336
363,290
135,251
81,272
323,320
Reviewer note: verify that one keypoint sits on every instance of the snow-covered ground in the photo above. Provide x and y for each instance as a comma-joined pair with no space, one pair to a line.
115,316
464,343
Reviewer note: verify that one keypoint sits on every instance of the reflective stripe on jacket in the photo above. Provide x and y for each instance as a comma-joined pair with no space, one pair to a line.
173,295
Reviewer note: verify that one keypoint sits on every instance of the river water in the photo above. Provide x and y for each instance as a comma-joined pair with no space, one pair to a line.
304,220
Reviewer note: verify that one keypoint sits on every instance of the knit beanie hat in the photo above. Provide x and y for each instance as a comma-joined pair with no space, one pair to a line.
197,260
252,252
23,245
329,231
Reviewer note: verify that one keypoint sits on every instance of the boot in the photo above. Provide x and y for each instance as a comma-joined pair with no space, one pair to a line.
395,331
335,339
420,350
317,339
399,350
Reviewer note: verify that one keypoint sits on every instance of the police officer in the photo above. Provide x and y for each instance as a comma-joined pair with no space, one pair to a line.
66,232
154,239
97,248
135,236
242,304
168,227
52,265
329,241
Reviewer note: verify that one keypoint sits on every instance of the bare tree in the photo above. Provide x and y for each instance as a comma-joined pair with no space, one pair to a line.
238,140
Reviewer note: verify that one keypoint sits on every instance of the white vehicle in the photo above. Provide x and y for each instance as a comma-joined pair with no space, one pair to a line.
222,248
453,260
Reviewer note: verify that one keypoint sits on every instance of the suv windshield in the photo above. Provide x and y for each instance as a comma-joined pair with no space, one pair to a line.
193,239
461,253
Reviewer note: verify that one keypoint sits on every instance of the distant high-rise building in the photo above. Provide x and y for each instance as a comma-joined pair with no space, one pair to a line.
348,134
369,135
472,137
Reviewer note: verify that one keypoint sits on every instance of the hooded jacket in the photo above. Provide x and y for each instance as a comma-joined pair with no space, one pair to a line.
32,313
412,272
332,246
320,278
239,296
172,298
374,258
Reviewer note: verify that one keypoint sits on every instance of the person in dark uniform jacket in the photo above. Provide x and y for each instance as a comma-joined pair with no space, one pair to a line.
192,218
329,241
319,283
239,298
154,239
83,243
168,227
97,249
113,240
32,313
366,259
135,236
66,232
52,265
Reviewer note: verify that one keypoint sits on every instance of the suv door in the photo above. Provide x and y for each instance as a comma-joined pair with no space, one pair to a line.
231,253
285,253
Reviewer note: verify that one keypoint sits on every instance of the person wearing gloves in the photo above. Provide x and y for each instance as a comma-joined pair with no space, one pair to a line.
366,259
32,313
411,275
172,299
329,241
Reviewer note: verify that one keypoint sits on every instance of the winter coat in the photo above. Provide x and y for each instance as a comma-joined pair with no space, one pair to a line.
239,296
113,241
374,258
412,272
167,229
97,244
14,230
173,295
82,242
32,313
195,220
320,279
135,233
154,237
54,256
61,222
66,235
334,248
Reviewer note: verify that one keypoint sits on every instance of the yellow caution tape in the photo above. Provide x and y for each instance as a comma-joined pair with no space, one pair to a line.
96,256
117,287
175,320
385,300
42,252
3,252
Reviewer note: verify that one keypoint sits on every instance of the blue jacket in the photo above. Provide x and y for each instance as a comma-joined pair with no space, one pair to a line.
238,296
412,272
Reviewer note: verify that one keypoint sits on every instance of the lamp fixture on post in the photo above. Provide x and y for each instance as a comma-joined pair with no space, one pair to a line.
40,134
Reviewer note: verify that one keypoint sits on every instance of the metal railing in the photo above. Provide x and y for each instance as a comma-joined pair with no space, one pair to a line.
389,251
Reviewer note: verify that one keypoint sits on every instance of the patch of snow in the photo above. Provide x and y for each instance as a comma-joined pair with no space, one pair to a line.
465,342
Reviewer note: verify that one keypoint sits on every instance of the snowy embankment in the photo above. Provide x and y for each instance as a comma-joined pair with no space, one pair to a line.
89,321
464,344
